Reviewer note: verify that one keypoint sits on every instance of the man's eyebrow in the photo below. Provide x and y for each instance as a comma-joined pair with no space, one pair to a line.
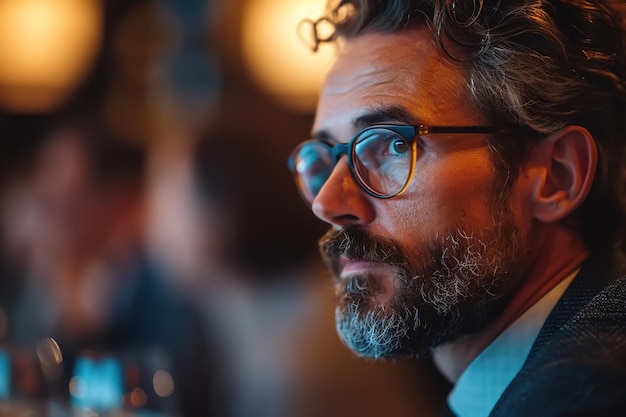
386,115
394,114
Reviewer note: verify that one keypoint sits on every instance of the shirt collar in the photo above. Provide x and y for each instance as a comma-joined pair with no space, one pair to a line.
482,383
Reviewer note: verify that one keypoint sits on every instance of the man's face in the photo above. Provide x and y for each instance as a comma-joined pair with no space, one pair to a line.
439,260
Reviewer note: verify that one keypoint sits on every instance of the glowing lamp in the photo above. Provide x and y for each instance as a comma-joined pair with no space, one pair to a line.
46,49
277,57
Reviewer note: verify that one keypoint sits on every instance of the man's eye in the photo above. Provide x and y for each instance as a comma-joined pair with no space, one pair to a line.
384,144
399,146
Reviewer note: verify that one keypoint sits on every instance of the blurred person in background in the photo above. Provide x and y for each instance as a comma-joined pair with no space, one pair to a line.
74,232
269,303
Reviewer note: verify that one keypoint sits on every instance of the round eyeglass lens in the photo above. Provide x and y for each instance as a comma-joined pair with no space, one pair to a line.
382,161
313,165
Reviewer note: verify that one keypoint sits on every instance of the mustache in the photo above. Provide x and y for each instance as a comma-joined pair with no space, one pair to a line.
352,242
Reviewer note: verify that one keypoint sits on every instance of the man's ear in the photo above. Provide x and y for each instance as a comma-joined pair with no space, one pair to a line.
567,160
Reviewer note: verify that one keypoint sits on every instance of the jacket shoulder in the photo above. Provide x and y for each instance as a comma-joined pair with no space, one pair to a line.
580,369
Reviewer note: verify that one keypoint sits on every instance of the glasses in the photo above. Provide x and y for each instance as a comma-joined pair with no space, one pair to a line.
381,158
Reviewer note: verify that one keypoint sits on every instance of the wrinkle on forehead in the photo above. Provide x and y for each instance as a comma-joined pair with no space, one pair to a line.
377,78
400,51
402,69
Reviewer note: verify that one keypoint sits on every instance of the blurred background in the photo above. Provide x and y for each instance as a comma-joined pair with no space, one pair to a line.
155,257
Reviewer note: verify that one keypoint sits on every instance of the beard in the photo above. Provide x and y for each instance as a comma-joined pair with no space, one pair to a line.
452,286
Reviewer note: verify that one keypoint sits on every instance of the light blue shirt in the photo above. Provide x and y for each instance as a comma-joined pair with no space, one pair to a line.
482,383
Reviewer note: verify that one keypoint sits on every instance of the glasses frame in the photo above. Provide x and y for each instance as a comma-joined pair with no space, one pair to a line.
408,132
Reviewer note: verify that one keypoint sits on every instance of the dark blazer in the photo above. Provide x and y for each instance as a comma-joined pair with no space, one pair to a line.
577,365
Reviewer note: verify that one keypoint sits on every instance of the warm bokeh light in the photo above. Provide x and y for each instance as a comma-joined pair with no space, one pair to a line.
49,352
46,48
277,58
138,398
163,383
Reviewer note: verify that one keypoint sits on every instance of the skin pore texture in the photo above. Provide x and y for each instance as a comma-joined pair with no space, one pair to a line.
445,266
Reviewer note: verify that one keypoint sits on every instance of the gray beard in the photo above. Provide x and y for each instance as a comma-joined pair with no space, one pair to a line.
462,283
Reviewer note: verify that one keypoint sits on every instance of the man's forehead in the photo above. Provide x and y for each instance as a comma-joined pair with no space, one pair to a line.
381,50
378,70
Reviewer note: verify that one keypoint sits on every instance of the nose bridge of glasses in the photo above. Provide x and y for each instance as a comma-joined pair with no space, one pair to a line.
340,149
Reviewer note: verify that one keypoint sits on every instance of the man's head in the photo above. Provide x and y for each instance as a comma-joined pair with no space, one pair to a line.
543,88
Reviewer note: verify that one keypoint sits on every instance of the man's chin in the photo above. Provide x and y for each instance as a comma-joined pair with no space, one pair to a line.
371,318
371,332
394,329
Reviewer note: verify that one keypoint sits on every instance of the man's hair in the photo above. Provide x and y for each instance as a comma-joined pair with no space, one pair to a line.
538,64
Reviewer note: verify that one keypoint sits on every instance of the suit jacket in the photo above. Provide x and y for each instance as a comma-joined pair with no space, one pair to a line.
577,365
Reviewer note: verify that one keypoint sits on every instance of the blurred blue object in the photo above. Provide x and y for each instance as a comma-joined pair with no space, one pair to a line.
97,383
5,375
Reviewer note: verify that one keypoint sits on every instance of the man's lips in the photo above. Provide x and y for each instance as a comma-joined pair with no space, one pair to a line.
348,267
351,266
380,277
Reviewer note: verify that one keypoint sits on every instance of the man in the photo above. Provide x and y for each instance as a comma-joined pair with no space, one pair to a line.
469,156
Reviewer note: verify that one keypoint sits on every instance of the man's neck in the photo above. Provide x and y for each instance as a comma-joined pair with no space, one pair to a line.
558,253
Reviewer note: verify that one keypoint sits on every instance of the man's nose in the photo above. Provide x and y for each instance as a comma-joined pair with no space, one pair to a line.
341,201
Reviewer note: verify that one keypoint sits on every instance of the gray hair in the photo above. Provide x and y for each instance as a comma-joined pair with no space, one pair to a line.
537,64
